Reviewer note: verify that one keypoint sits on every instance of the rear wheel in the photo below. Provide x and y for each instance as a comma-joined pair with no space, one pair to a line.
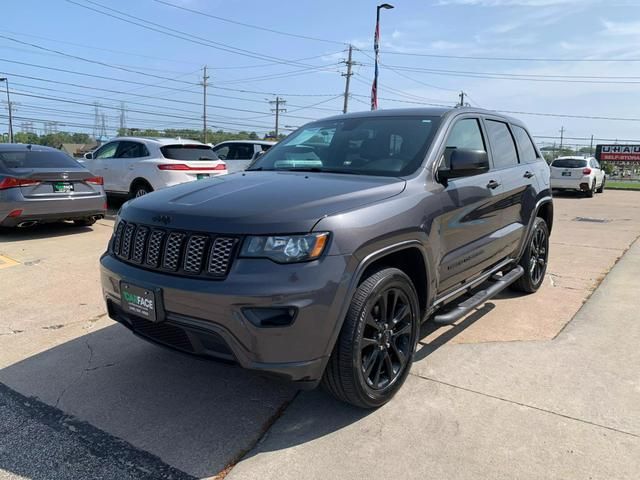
535,258
374,351
591,192
140,189
601,189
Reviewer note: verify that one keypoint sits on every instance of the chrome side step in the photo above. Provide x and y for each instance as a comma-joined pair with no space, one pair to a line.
479,298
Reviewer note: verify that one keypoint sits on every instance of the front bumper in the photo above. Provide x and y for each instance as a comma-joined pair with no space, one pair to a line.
208,317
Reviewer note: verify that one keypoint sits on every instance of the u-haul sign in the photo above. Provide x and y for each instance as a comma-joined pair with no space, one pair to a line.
618,153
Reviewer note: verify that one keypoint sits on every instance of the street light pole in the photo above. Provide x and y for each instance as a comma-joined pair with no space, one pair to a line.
6,80
376,48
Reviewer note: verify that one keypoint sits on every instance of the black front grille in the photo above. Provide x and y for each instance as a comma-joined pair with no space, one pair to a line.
178,252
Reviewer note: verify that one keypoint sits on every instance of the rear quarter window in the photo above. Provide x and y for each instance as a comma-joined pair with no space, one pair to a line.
26,159
188,153
528,153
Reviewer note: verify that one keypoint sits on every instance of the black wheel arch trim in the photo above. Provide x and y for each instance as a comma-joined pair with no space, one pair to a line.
356,278
547,200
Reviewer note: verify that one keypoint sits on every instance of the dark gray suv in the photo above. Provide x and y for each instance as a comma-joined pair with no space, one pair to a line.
320,262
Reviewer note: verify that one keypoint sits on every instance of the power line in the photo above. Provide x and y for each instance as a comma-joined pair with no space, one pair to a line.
163,29
513,59
248,25
517,76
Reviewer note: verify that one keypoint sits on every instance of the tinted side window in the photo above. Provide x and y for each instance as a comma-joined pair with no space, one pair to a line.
222,151
466,133
132,150
502,146
241,151
107,151
527,151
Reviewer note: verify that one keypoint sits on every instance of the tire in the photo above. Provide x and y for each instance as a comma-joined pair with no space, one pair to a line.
591,192
85,222
601,189
139,189
537,250
374,351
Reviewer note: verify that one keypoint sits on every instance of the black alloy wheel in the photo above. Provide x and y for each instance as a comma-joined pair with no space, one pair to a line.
535,258
385,344
374,351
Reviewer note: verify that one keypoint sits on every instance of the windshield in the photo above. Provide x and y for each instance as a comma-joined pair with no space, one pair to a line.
569,163
385,146
188,152
37,159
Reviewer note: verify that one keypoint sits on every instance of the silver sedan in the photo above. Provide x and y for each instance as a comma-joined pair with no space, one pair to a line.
41,185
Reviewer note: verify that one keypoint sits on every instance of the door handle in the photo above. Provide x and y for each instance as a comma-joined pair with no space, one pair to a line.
493,184
528,174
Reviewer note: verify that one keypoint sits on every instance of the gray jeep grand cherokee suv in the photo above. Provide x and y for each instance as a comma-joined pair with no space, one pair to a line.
320,262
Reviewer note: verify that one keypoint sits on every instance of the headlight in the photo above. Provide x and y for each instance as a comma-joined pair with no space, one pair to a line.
285,248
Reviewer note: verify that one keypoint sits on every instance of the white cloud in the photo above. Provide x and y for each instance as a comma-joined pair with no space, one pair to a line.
621,28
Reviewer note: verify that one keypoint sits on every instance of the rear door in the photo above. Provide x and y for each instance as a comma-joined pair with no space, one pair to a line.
237,156
598,171
519,182
471,211
129,154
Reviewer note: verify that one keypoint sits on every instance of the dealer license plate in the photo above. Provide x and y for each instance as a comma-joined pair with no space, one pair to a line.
566,174
63,187
200,176
139,301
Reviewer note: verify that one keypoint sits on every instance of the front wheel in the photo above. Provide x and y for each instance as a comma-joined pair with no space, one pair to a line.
374,351
535,258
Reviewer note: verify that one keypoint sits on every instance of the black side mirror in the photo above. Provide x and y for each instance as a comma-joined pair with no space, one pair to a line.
464,162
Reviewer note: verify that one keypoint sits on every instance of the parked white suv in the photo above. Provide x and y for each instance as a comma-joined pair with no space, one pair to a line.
238,154
577,173
135,166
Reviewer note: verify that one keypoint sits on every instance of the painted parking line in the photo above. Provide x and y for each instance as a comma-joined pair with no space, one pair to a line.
6,262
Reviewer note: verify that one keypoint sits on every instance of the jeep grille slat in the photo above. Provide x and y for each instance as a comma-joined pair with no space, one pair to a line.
174,252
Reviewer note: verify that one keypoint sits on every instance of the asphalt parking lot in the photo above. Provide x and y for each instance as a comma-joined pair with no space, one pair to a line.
540,386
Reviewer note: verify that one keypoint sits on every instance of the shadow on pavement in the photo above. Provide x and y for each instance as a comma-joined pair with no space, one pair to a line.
47,230
426,345
195,415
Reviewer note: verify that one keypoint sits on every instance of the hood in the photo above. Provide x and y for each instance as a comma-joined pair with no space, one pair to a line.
259,202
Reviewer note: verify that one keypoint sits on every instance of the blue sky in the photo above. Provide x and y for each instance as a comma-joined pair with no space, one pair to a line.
306,72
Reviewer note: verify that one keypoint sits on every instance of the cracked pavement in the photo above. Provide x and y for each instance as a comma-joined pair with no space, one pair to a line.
515,390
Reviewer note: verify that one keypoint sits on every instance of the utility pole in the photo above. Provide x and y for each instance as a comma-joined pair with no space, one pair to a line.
461,95
123,120
278,110
6,81
561,138
205,77
591,146
96,120
347,76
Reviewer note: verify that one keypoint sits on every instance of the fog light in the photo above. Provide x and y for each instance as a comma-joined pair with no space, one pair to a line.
271,317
